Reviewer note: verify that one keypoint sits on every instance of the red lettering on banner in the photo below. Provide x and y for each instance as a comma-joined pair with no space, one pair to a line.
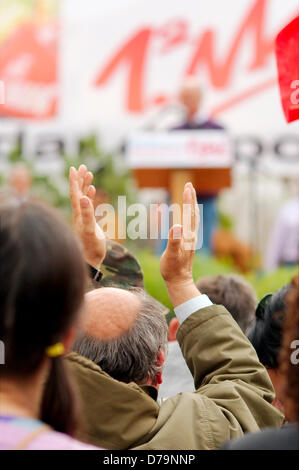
220,73
205,148
173,33
133,54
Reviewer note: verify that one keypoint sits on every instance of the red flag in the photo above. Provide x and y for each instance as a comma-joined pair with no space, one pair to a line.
287,58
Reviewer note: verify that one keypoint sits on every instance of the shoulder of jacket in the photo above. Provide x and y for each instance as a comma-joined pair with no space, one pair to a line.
198,318
75,358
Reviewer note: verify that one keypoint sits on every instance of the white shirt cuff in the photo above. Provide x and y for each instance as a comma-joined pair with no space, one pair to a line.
186,309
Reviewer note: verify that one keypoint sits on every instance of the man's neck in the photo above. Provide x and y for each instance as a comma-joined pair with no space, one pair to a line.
192,118
151,383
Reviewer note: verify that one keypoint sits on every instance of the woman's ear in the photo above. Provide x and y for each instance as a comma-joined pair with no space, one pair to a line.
173,328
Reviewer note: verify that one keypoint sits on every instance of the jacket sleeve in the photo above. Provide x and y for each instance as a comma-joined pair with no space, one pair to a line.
233,391
227,374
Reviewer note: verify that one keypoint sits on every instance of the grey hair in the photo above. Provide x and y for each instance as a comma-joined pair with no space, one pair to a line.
131,357
235,294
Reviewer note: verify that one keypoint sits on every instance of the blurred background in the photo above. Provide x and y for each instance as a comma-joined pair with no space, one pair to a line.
86,81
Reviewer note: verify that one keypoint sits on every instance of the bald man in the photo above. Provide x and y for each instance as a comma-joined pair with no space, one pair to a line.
114,324
119,354
110,312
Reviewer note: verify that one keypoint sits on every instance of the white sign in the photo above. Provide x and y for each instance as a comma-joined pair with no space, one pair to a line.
181,149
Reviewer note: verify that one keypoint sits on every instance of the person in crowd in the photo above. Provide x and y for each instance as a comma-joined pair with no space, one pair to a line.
237,296
266,337
121,268
235,293
190,97
20,180
42,284
121,333
283,244
286,438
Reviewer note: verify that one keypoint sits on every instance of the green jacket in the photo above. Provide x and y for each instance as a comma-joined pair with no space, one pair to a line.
233,394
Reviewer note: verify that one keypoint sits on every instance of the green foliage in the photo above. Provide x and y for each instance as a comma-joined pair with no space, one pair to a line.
111,175
209,266
225,221
267,283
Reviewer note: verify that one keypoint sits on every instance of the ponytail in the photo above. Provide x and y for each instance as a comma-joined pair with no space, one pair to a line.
59,406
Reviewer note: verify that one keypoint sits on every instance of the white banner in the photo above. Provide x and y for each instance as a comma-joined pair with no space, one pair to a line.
181,149
121,64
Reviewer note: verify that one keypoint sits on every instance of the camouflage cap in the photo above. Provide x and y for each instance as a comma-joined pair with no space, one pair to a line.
121,269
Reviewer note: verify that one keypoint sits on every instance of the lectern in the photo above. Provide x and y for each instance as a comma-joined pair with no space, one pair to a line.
171,159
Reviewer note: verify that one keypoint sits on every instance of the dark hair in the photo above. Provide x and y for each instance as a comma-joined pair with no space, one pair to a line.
289,366
42,280
234,293
266,334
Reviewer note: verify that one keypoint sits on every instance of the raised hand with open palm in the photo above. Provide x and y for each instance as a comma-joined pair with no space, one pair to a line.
82,194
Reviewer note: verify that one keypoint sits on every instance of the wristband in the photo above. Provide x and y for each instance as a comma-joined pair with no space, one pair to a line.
95,274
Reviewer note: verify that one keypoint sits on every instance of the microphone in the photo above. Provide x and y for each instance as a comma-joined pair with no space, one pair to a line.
173,107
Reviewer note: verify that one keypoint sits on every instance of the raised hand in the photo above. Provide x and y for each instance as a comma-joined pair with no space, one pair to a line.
82,195
177,260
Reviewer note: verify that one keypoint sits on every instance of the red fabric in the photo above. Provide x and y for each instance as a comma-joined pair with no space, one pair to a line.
287,57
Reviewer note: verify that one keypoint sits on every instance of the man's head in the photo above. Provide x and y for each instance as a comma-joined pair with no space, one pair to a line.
231,291
189,96
125,333
236,294
20,180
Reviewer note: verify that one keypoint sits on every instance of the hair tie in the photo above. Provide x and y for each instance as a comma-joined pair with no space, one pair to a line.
55,350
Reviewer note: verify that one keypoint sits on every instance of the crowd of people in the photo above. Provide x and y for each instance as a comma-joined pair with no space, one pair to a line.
85,358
